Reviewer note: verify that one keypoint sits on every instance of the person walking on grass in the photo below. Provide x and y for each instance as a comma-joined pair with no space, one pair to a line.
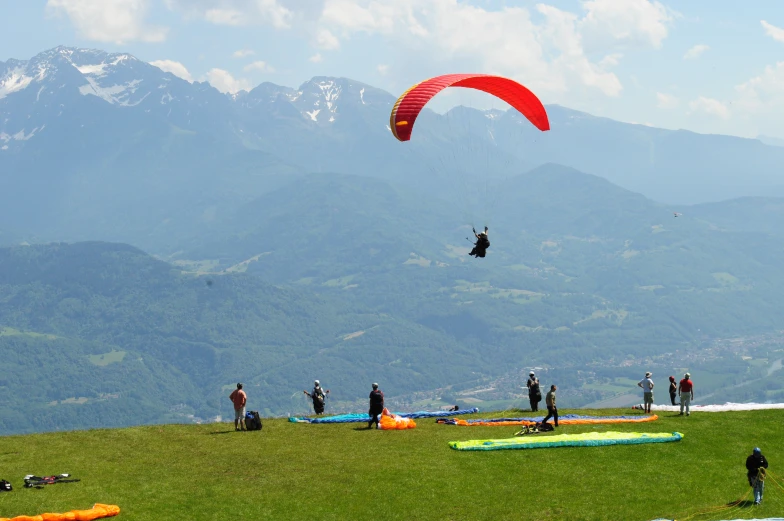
673,390
239,398
755,471
647,391
376,405
552,410
686,390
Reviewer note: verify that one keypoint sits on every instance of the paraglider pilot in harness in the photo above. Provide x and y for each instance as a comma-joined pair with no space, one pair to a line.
482,243
755,471
319,396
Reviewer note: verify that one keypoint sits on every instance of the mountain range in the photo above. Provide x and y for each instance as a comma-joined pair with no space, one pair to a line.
114,148
160,240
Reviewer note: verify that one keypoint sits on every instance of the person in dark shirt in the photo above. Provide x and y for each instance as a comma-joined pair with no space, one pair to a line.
755,471
534,393
552,410
673,390
319,397
376,405
481,245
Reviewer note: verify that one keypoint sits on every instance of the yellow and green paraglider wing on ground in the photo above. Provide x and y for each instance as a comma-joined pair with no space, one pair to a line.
588,439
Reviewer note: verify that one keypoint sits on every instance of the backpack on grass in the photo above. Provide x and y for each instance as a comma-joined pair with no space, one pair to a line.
253,421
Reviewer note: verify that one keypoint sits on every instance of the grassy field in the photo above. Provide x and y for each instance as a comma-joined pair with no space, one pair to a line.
338,472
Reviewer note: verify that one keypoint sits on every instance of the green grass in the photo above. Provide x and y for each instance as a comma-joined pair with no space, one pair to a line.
337,472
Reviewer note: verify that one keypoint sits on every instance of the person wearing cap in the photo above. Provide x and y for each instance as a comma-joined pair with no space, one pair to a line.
534,393
376,405
239,398
673,390
647,391
686,391
755,471
319,397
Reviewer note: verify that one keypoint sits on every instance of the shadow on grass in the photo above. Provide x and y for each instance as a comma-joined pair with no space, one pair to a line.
746,503
225,432
365,428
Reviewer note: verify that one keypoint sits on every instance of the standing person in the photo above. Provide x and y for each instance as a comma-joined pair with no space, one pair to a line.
755,471
552,410
534,393
319,397
686,390
647,391
239,398
673,390
376,405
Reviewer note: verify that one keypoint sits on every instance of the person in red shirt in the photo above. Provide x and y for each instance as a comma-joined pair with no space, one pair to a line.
686,390
238,398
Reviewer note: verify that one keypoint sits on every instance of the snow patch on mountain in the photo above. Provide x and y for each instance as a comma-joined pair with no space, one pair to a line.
114,94
19,136
14,81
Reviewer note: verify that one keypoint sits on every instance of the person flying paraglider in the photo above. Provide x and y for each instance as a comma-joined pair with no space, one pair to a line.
482,243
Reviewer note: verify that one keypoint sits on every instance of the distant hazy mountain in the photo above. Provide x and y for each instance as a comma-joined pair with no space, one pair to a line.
105,146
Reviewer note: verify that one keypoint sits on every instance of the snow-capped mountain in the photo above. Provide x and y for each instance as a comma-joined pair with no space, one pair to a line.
107,142
67,82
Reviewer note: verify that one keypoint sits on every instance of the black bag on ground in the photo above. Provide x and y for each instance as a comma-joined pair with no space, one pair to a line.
5,486
253,421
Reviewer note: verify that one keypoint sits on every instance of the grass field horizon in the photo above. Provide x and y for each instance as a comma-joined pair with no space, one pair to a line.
344,471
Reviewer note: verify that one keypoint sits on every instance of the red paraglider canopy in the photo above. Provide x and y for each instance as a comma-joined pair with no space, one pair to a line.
408,106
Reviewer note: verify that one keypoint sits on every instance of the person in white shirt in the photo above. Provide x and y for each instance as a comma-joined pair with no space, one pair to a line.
647,391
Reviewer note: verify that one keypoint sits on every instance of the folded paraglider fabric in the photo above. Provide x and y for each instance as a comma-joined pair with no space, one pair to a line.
98,511
567,419
727,407
391,422
588,439
358,418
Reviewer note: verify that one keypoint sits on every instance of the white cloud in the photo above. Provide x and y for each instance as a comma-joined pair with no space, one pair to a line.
259,65
225,82
326,40
695,52
316,58
176,68
550,56
383,69
236,12
764,93
117,21
624,23
666,101
242,53
777,33
611,60
552,53
709,106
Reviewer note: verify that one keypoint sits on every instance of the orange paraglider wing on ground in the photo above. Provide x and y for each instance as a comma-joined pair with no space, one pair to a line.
410,104
98,511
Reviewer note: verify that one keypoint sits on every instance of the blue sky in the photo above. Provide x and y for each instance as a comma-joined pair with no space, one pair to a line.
709,66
